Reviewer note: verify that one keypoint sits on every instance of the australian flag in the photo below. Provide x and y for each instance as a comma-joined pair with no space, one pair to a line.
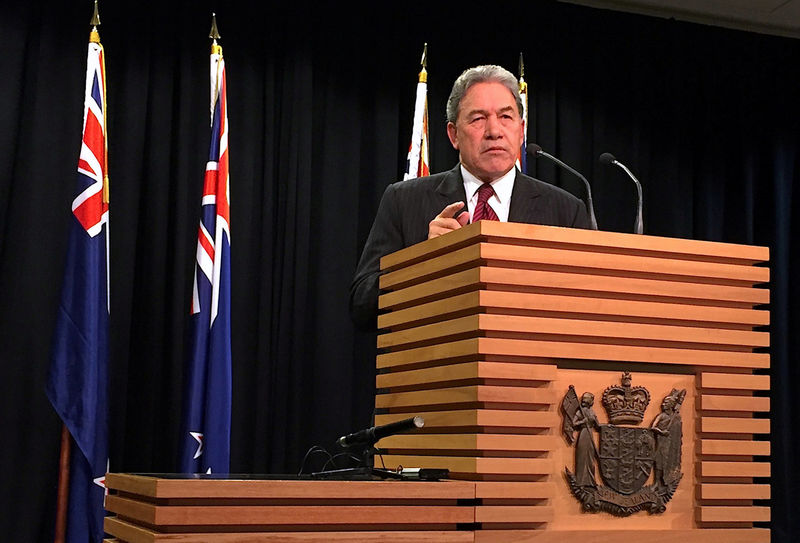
77,384
206,429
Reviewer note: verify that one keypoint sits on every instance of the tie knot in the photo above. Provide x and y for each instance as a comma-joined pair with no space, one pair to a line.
485,192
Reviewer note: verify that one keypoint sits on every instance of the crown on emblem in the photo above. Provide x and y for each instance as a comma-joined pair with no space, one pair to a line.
625,404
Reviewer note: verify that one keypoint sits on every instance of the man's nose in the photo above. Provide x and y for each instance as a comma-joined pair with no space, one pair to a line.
492,127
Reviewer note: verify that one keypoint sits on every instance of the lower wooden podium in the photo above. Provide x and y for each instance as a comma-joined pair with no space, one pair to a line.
152,508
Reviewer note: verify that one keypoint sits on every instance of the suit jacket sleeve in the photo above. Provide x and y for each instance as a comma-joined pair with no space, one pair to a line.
581,217
385,237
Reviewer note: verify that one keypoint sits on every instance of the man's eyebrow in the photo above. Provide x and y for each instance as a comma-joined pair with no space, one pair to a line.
476,111
485,112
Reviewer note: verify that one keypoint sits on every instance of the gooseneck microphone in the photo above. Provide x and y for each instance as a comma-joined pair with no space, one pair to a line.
638,225
536,151
370,436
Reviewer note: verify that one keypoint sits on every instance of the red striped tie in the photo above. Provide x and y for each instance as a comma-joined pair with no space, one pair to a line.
483,211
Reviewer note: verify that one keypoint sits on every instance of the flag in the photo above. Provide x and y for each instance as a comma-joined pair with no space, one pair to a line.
418,163
522,158
205,438
77,384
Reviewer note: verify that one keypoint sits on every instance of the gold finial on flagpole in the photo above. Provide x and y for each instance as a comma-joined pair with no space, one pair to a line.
423,74
523,87
94,35
214,35
214,32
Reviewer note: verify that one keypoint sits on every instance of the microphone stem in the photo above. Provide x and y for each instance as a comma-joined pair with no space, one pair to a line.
638,226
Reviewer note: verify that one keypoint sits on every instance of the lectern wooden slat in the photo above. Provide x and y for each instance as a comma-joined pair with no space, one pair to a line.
484,329
149,509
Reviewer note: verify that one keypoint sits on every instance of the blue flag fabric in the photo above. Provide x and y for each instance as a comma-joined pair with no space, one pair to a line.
78,383
205,434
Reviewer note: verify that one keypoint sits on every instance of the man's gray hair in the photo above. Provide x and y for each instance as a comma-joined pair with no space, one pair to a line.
481,74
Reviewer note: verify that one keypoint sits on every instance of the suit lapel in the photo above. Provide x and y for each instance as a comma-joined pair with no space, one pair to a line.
525,202
451,188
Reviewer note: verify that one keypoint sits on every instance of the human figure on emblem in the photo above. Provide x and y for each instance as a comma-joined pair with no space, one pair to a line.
585,452
668,429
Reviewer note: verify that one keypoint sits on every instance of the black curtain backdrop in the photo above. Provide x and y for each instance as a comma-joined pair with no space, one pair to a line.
321,100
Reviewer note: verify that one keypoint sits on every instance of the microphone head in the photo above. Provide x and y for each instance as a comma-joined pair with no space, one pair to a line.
533,149
607,158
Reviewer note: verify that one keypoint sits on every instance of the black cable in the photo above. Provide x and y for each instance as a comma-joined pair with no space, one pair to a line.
332,460
313,450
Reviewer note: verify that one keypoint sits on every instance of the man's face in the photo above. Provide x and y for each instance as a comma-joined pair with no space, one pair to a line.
488,131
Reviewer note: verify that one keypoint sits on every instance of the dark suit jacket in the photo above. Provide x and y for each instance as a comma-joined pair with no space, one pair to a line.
407,207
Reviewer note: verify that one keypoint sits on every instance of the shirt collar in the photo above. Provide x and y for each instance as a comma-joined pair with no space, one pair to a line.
502,186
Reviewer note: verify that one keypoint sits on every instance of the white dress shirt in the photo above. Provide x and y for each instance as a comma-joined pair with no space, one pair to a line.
500,201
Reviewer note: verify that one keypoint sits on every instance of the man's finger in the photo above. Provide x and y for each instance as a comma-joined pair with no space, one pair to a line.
445,224
450,211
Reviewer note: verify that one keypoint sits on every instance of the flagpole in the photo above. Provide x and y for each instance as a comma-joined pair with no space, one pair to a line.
423,74
63,486
94,37
523,93
424,157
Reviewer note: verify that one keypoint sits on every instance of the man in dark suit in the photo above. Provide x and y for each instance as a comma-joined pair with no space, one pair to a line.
484,124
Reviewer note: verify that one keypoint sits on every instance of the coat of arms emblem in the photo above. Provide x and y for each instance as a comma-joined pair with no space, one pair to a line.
627,455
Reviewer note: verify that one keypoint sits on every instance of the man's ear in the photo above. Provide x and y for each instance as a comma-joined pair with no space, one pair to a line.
452,133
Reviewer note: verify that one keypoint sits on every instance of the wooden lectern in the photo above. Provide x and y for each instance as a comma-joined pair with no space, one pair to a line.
485,329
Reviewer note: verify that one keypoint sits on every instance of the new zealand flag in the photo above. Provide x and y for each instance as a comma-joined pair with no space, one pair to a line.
205,435
77,383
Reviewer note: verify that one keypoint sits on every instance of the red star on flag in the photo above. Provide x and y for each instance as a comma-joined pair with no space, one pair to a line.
198,436
101,481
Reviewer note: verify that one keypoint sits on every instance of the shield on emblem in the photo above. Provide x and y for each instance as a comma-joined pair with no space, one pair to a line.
626,457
